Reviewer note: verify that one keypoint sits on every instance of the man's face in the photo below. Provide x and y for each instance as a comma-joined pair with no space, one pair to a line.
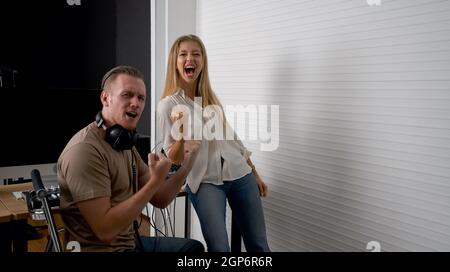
123,101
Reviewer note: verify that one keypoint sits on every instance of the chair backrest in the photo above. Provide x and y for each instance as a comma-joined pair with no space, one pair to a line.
42,195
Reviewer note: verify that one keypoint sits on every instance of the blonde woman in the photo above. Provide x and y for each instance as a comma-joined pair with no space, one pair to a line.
223,169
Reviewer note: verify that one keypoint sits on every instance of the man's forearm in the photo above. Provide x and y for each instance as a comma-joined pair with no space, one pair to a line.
108,221
170,188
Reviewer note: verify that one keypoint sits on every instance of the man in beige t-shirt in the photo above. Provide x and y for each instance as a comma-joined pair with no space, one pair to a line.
97,168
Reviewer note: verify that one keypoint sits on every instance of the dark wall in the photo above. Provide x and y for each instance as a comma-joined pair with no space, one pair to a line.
53,45
39,122
133,45
82,43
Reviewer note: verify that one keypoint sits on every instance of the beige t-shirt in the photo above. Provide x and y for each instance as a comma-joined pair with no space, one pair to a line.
89,168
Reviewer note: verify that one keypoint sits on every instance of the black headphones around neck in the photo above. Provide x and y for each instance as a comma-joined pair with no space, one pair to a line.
117,136
120,139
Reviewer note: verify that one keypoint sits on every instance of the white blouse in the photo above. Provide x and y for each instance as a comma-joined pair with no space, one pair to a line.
207,166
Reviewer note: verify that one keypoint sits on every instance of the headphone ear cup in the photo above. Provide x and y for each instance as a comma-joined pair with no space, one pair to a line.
120,138
117,136
113,137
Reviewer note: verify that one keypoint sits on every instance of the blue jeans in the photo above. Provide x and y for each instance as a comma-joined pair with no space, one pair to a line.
170,244
243,196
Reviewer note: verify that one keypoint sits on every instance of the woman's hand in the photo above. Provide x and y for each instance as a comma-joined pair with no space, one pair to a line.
191,148
261,185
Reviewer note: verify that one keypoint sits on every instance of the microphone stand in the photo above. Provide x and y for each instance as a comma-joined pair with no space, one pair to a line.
41,195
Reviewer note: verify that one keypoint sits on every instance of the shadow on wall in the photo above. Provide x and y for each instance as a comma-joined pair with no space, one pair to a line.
314,164
282,216
338,178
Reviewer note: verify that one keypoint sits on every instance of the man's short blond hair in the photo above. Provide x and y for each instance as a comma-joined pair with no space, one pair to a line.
112,74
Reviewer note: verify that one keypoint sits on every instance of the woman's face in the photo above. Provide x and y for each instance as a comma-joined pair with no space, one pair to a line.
189,61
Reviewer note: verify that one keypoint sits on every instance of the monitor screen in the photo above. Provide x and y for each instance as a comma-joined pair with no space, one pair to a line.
52,44
38,123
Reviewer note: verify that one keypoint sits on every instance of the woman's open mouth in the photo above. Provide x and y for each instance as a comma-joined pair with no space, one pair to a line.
189,71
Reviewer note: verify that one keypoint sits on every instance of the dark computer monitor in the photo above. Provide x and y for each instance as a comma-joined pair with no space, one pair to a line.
52,44
38,123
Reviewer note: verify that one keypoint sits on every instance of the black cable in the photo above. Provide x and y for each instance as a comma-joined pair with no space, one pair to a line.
148,214
156,229
170,222
154,219
134,185
174,215
154,225
164,220
154,148
140,222
172,170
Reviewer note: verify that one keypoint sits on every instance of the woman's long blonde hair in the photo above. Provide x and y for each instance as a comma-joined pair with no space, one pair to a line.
173,78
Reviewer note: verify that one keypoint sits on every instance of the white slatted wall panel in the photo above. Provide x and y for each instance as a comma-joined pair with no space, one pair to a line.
364,95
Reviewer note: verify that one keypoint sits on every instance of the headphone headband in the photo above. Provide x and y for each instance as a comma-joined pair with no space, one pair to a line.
117,136
99,120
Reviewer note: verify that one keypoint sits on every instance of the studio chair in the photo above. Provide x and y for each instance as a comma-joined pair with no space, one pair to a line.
42,195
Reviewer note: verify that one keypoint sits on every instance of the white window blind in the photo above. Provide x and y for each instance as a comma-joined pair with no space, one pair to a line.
364,109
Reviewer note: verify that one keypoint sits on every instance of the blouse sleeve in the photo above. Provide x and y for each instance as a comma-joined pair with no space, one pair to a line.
244,151
165,123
